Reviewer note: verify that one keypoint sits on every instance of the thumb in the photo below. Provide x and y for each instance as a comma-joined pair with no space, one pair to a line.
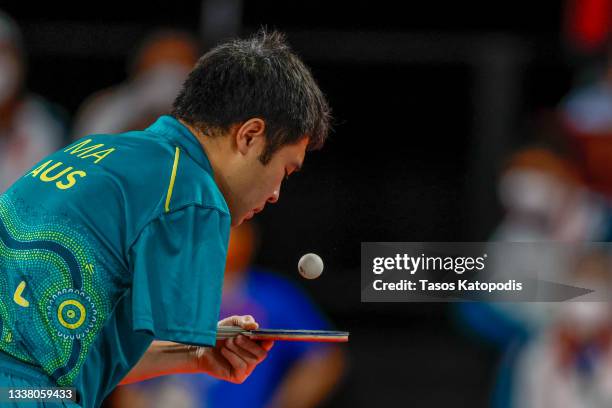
247,322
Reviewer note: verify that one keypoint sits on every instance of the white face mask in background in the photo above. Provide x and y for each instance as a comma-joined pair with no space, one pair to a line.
586,318
531,192
9,76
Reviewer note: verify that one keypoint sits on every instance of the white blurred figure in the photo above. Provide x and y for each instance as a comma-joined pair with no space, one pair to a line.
157,73
570,364
545,201
28,131
587,115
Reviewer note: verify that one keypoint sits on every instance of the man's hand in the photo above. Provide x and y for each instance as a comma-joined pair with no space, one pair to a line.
233,359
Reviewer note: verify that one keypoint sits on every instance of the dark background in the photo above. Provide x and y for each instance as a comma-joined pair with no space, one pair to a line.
427,96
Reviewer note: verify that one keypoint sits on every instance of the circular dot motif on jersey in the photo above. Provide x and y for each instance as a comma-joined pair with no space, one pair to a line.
72,313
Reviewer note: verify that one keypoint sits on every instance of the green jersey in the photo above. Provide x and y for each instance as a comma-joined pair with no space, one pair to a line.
106,245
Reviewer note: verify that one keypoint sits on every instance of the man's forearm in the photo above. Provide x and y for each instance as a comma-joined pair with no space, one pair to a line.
163,358
232,360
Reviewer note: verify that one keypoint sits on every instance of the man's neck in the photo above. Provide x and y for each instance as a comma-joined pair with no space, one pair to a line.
211,147
215,152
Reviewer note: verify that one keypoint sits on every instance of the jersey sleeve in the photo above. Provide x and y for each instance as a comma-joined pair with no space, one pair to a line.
178,263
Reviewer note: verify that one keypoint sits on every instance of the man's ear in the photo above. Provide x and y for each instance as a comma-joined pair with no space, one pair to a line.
250,135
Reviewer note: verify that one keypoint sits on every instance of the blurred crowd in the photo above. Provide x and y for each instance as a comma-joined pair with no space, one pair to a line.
557,189
554,189
30,128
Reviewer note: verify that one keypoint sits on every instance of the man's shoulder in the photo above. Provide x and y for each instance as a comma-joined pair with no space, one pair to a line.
134,142
136,161
183,180
148,168
122,148
192,185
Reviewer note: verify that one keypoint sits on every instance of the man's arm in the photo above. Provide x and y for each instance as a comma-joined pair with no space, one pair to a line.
230,360
162,358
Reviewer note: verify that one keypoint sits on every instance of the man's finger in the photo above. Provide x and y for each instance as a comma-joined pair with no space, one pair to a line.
252,347
248,323
266,344
229,321
247,356
238,364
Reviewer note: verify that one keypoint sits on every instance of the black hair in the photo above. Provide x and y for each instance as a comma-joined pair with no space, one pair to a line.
255,77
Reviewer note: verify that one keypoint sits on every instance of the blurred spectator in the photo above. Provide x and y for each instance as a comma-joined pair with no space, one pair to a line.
28,130
587,114
570,364
156,75
295,374
545,200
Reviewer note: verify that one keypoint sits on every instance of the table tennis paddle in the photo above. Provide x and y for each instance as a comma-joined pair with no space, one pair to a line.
226,332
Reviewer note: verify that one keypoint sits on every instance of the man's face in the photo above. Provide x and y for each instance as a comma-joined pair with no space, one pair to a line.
257,184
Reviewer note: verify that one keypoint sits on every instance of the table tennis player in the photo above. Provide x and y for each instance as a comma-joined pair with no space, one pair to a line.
112,250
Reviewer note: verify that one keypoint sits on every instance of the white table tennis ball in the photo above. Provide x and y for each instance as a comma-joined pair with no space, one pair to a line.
310,266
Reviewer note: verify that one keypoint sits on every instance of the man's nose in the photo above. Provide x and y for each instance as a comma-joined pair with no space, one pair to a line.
274,197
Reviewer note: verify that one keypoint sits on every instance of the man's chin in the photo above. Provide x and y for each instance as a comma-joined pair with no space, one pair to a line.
236,222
